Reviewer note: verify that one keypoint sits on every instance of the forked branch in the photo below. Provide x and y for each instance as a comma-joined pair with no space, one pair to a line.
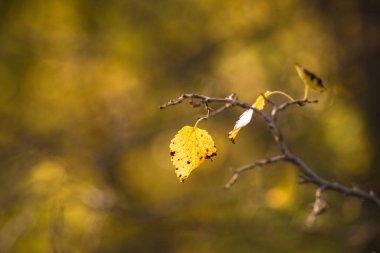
308,175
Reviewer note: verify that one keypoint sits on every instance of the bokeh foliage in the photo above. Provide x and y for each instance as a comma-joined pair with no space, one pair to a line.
85,164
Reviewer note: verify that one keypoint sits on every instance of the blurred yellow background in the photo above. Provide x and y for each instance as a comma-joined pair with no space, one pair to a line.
85,164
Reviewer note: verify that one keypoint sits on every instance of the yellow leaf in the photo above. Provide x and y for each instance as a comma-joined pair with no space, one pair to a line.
310,79
190,148
260,101
246,116
243,120
233,133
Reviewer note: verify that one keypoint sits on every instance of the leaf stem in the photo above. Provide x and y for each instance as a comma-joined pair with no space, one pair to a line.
305,92
199,120
281,93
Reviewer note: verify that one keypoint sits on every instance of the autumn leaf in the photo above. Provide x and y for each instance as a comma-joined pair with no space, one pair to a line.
246,117
260,101
310,79
190,148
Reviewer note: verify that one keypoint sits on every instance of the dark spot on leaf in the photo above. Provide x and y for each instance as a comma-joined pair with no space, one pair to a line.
206,149
201,158
188,162
172,153
209,156
176,168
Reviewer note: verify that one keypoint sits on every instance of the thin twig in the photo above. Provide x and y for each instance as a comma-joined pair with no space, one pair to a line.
295,102
202,99
245,168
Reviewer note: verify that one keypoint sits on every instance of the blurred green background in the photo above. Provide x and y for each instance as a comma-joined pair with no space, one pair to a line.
85,164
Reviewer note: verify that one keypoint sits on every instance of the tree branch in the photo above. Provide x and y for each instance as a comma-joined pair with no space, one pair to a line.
308,174
261,163
201,100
